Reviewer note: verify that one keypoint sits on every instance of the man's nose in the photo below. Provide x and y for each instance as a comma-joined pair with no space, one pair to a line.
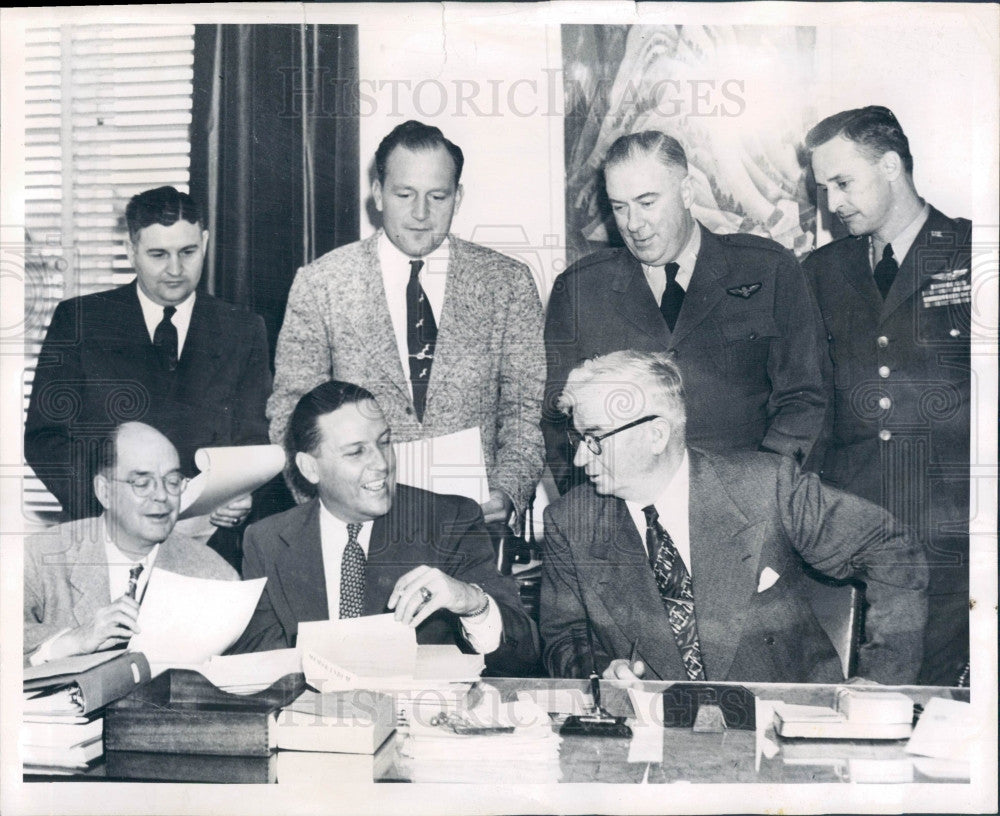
420,208
635,221
834,198
160,490
174,267
581,455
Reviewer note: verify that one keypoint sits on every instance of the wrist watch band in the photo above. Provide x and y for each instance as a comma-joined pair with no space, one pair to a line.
485,605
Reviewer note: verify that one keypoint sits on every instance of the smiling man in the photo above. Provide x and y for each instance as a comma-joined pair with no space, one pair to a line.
446,334
80,595
191,365
364,545
733,311
896,297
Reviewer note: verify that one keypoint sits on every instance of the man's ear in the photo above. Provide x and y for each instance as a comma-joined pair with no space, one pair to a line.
687,191
458,198
130,251
306,463
891,165
660,432
102,489
377,194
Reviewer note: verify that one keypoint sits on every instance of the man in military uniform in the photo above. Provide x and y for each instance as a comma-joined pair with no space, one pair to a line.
733,311
895,297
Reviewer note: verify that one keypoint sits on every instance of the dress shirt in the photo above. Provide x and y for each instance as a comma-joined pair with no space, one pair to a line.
903,240
656,277
672,507
482,632
152,313
396,275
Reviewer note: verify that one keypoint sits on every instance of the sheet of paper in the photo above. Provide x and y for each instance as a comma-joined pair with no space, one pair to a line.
946,730
647,706
187,620
446,661
445,464
250,672
227,473
346,650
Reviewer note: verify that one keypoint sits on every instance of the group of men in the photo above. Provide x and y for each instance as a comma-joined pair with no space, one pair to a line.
711,413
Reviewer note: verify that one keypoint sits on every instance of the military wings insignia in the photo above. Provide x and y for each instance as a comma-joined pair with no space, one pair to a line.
745,291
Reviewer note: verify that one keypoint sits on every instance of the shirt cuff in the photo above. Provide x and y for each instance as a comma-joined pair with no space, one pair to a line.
484,631
43,654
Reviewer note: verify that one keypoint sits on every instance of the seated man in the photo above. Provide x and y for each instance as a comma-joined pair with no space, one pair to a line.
365,545
697,560
82,579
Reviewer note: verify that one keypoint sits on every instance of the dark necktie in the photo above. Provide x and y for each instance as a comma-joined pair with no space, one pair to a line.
885,271
421,335
165,339
673,296
674,583
133,581
352,575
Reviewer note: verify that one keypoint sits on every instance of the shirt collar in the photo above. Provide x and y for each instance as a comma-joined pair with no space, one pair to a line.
333,529
686,258
672,501
391,257
904,239
150,307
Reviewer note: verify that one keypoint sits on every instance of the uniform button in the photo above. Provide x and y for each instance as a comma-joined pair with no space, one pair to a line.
409,411
883,372
954,332
769,640
885,403
885,435
882,341
753,335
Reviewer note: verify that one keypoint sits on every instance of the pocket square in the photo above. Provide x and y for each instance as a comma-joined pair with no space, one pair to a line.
768,578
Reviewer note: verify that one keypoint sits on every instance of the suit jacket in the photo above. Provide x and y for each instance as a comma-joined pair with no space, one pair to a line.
66,575
748,513
98,368
750,357
910,353
488,366
440,531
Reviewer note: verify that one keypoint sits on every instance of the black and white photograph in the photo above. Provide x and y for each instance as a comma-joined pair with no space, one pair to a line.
564,407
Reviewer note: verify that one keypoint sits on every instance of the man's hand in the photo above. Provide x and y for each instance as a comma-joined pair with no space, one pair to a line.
413,606
498,508
112,625
629,674
232,514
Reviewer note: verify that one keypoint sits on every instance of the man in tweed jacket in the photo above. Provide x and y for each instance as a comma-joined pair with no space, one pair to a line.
346,319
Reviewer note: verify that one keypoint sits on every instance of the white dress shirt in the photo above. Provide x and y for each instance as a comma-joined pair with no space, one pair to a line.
672,507
902,242
656,277
483,632
395,268
152,313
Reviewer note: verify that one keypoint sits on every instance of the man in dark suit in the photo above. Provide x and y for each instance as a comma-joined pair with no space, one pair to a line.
698,560
192,366
896,299
733,311
364,545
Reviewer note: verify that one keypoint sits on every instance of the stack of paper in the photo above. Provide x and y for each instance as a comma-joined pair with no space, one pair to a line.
247,673
60,742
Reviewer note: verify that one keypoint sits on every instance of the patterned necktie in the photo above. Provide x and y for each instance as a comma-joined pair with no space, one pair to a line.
421,335
673,296
885,271
165,339
352,575
133,581
674,583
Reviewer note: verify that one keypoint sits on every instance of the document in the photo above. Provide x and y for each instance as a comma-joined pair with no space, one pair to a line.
342,653
227,473
187,620
452,463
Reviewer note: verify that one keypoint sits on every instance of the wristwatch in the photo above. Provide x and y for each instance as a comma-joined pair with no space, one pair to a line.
482,610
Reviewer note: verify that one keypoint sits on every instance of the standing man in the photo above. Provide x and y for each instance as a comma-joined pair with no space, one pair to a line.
364,545
192,366
446,334
896,299
733,311
696,560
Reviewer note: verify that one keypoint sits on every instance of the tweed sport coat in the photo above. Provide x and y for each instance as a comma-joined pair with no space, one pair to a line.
752,517
489,364
66,575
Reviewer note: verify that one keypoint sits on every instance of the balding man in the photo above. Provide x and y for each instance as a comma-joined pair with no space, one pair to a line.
82,583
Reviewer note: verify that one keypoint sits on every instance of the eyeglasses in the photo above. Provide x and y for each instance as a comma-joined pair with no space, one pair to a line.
593,441
145,486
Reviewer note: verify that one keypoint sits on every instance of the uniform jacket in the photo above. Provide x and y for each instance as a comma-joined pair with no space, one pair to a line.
66,575
440,531
747,341
901,375
488,368
98,368
751,516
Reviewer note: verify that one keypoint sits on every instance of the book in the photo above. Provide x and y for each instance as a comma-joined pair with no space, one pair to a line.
153,766
50,732
309,768
77,756
181,712
80,685
351,722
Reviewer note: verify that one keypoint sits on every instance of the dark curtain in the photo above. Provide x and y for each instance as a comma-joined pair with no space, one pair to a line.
274,154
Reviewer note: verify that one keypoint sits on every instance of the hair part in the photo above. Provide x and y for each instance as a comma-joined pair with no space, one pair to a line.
874,129
414,135
666,149
164,206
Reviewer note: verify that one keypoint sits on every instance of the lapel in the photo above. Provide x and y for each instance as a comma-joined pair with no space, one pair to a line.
298,565
857,270
201,356
725,555
395,539
912,276
635,303
706,288
360,296
88,576
126,338
458,313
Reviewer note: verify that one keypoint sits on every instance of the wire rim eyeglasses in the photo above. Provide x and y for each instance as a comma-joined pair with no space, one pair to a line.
145,486
593,441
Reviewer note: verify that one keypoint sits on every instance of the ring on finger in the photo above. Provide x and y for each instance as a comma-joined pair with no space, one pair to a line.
426,594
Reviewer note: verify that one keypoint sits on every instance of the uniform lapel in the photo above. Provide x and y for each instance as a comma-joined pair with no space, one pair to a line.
299,564
921,262
705,289
635,303
857,269
725,555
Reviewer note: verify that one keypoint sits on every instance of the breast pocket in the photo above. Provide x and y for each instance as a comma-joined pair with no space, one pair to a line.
748,342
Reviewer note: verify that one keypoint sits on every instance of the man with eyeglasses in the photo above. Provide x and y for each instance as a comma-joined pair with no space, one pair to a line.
675,564
83,580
